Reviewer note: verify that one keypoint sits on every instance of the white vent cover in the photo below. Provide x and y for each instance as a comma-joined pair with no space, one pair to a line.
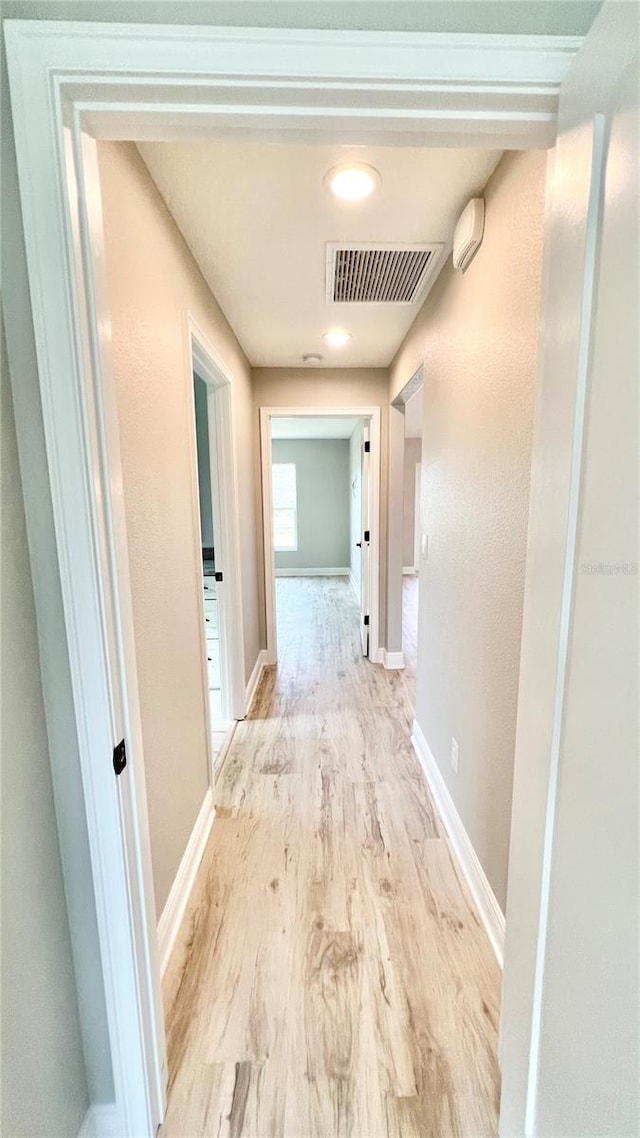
379,274
468,233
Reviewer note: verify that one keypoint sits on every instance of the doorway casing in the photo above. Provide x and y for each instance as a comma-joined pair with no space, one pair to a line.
205,362
395,489
372,416
71,84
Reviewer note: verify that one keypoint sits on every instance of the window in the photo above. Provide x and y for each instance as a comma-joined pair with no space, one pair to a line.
285,507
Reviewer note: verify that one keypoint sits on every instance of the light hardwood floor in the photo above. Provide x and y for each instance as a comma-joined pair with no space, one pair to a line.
332,979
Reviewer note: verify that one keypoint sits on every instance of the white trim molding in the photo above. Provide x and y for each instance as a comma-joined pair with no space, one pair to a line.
446,89
180,892
393,660
203,359
409,571
254,679
373,416
486,903
321,572
102,1120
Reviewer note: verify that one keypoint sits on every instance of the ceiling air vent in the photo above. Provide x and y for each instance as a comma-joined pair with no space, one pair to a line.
379,274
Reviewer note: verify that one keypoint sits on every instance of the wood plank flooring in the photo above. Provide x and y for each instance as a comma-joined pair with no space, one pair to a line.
332,979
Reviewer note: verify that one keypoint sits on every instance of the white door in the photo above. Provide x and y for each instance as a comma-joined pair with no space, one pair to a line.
570,1024
365,544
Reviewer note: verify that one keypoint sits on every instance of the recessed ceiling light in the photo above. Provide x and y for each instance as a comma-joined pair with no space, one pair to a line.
312,358
336,337
352,182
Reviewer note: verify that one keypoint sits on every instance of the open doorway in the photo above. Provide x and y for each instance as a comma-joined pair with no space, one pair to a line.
216,531
320,526
48,313
209,501
320,511
411,534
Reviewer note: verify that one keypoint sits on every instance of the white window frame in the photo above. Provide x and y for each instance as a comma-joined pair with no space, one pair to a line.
286,548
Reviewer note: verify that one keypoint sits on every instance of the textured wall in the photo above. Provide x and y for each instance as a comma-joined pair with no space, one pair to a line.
323,492
44,1086
477,335
153,281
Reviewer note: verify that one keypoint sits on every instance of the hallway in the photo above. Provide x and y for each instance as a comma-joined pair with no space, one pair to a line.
331,978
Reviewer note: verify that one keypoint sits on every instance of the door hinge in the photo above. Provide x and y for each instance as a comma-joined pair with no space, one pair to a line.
219,575
119,757
367,447
367,535
366,621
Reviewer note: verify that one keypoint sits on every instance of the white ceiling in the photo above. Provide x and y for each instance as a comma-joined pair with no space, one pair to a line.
257,219
306,428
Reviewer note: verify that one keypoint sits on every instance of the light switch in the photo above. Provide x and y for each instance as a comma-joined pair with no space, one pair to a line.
424,546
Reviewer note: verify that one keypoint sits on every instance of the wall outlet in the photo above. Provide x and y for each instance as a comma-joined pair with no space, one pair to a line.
455,754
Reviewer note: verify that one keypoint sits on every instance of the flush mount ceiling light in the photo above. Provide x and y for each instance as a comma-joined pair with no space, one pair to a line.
352,182
312,358
336,337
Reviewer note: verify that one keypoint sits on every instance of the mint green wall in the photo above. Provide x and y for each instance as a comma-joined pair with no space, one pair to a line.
322,476
204,460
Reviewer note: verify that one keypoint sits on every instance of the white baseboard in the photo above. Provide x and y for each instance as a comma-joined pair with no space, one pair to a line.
490,912
102,1120
409,571
392,660
176,903
254,679
329,572
376,655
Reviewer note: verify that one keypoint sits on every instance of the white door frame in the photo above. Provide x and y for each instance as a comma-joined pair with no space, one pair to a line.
417,517
395,480
206,363
368,522
373,416
70,84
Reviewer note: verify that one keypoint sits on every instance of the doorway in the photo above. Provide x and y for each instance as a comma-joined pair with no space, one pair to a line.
216,531
212,554
412,532
73,346
321,494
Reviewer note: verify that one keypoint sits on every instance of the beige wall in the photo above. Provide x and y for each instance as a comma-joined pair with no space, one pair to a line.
153,280
328,387
44,1085
477,335
412,454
